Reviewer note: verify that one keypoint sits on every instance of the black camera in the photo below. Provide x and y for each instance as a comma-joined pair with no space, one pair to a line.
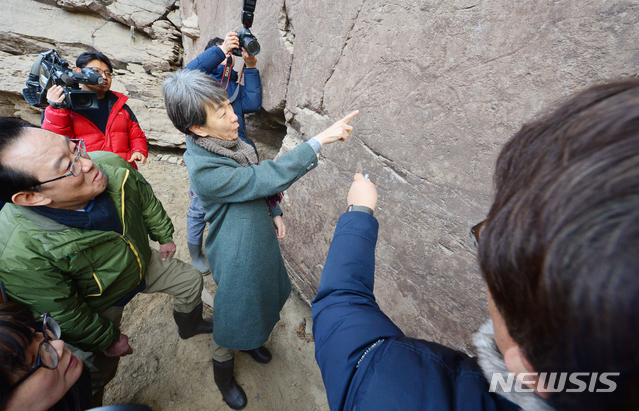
48,70
247,39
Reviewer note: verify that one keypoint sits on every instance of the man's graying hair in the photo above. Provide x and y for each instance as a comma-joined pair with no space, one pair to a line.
187,93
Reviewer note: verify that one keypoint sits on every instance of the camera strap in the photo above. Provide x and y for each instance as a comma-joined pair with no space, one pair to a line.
226,77
240,77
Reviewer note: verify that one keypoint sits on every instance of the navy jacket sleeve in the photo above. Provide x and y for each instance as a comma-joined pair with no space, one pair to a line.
346,318
251,93
208,60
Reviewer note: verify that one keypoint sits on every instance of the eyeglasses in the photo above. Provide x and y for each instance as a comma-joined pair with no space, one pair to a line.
474,232
101,72
76,168
47,355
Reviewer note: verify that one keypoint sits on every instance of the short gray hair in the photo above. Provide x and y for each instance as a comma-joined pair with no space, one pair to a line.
187,93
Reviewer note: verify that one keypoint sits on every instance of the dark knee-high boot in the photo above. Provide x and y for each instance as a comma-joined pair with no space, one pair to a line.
190,324
231,391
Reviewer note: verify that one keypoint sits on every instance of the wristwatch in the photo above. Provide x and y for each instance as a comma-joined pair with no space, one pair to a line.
363,209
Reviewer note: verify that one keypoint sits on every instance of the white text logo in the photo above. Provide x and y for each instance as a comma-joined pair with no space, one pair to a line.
554,382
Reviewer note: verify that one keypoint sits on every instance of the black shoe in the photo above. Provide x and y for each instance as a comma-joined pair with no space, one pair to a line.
260,354
231,391
192,323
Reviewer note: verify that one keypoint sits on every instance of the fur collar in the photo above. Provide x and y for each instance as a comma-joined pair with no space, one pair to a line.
491,361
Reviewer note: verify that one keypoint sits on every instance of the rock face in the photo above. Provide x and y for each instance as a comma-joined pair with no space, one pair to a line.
137,13
440,87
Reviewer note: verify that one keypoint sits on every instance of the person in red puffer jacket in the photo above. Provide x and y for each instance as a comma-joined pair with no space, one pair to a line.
111,127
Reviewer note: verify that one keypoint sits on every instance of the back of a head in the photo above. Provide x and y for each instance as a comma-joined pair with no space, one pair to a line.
15,337
560,248
12,181
88,56
215,41
187,94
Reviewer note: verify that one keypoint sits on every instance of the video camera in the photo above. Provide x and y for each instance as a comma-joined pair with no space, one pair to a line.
48,70
247,39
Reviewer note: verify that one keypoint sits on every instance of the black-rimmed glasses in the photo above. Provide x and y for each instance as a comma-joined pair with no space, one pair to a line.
474,232
76,168
47,355
101,72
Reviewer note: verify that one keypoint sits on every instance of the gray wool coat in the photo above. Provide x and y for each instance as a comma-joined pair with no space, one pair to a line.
242,246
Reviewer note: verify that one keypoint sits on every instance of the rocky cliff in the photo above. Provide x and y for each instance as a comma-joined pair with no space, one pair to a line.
440,86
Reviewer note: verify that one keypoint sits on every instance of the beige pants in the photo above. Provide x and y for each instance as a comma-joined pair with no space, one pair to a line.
173,277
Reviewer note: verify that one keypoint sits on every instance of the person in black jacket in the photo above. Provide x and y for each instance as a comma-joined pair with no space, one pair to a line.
558,251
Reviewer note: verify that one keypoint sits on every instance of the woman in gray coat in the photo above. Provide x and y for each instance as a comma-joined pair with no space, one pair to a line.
237,192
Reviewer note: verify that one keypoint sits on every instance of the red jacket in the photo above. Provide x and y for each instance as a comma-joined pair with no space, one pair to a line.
123,134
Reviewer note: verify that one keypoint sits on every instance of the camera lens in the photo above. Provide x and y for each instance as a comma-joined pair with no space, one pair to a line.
82,100
252,46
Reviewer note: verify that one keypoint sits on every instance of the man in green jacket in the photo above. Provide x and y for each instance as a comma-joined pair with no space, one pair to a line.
74,241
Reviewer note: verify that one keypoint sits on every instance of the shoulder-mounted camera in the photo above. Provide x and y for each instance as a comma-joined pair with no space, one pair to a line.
50,69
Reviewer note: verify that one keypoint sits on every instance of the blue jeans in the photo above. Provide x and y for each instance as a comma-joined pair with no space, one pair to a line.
195,222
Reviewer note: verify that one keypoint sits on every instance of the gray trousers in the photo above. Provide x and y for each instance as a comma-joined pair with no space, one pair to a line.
173,277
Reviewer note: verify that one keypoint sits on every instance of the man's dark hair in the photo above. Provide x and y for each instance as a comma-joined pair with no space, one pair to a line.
560,249
13,181
86,57
216,41
15,337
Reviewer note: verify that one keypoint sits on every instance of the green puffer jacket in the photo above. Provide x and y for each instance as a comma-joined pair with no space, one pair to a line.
75,274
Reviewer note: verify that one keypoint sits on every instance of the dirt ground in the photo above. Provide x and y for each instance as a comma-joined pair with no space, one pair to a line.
168,373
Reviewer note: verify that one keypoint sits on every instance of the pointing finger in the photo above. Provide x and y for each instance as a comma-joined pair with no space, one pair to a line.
350,116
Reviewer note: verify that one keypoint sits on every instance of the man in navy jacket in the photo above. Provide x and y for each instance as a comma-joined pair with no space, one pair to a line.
558,251
366,361
245,98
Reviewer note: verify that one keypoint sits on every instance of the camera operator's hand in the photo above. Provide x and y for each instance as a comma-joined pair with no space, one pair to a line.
137,156
55,95
230,42
362,193
338,131
250,61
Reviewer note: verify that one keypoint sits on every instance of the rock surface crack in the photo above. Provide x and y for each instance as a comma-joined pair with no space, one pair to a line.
341,52
285,28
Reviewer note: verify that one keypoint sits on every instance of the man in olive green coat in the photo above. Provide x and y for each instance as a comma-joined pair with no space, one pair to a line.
75,242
